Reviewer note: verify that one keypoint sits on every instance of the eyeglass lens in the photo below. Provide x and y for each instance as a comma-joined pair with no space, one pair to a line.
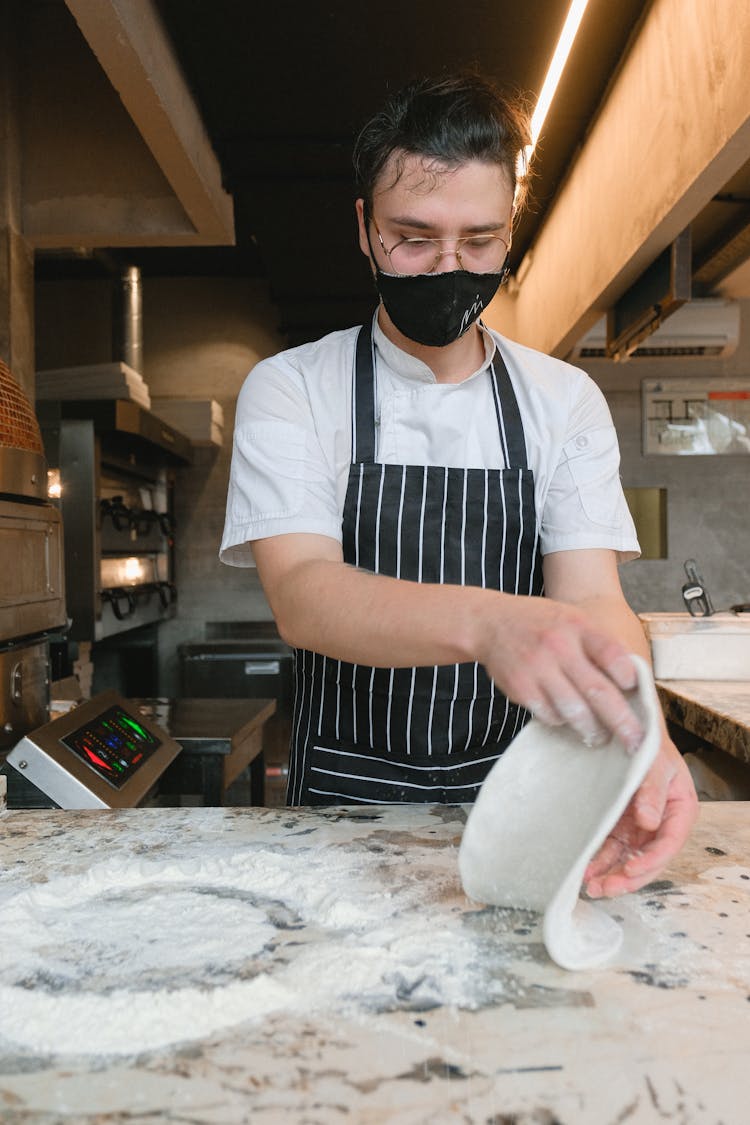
482,254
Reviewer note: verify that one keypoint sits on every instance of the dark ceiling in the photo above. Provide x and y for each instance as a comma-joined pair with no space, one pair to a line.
284,87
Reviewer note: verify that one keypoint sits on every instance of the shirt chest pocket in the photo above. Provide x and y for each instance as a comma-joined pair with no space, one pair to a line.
593,461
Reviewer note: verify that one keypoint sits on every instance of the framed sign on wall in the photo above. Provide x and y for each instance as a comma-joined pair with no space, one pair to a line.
696,415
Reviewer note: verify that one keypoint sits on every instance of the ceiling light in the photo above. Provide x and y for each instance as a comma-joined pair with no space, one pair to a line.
554,72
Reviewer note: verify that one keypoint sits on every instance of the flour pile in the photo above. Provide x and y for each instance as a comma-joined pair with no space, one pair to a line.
135,955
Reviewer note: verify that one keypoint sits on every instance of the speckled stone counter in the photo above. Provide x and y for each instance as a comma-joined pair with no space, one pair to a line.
361,985
716,711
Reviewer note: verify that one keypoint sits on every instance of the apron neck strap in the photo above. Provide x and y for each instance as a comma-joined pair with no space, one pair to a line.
508,414
363,397
363,405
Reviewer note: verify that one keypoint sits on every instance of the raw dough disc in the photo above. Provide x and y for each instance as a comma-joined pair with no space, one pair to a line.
544,810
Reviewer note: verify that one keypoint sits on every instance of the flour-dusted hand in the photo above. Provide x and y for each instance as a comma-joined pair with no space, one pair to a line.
652,830
573,649
552,658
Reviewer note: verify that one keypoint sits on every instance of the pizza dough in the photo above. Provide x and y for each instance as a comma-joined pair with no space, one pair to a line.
544,810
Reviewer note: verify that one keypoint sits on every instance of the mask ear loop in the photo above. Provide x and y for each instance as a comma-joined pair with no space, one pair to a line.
366,219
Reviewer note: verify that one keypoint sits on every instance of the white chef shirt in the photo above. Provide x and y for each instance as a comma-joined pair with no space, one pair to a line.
293,441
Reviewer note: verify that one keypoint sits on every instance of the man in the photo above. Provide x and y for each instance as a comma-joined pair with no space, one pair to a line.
408,490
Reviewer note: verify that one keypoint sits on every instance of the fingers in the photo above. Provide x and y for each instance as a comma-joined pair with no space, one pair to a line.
628,869
667,800
582,697
564,705
651,832
634,869
612,853
555,663
608,672
612,658
649,801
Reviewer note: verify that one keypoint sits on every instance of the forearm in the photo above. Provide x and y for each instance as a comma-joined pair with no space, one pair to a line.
353,615
589,580
613,615
547,654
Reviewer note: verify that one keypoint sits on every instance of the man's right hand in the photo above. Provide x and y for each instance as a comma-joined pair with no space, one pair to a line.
553,660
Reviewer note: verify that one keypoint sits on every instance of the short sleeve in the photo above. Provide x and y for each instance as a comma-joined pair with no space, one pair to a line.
585,506
281,481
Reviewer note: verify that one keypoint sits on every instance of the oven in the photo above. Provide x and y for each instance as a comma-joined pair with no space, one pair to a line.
114,466
32,587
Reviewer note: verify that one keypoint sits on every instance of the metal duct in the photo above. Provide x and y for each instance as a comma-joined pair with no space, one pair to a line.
127,318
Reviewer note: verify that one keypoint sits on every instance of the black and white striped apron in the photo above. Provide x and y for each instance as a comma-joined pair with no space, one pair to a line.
431,734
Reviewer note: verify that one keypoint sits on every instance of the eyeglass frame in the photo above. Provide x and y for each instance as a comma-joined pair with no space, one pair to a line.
440,253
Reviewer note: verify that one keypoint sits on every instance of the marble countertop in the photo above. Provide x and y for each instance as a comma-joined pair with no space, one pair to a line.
715,710
335,972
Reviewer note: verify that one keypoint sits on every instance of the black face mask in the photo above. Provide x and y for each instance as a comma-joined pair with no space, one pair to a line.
436,308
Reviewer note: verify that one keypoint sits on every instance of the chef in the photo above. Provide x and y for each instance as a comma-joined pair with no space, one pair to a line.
435,511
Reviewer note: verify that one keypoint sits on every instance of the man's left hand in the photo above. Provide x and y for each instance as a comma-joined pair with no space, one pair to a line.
651,831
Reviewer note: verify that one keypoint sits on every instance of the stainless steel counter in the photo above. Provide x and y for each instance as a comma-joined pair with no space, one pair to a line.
375,993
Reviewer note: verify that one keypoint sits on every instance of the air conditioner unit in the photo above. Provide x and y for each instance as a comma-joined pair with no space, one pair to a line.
707,327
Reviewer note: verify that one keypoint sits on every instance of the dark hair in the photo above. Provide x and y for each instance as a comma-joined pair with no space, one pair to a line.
455,119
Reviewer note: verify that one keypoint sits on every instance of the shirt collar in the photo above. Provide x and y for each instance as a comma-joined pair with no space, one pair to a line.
410,367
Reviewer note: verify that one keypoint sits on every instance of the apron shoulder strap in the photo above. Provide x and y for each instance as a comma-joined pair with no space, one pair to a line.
508,413
363,395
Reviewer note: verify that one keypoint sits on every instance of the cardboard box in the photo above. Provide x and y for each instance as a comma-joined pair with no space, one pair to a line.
202,420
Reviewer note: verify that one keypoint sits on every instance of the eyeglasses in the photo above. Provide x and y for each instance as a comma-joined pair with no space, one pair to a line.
478,253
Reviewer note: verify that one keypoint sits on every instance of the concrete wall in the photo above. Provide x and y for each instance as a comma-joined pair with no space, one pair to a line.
201,337
707,497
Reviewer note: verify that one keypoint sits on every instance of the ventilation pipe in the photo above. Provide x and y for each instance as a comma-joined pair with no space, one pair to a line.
127,318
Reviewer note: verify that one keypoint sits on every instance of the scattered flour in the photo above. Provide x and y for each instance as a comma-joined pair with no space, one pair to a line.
135,955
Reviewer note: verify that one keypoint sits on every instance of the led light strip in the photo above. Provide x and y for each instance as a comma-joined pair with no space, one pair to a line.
554,73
